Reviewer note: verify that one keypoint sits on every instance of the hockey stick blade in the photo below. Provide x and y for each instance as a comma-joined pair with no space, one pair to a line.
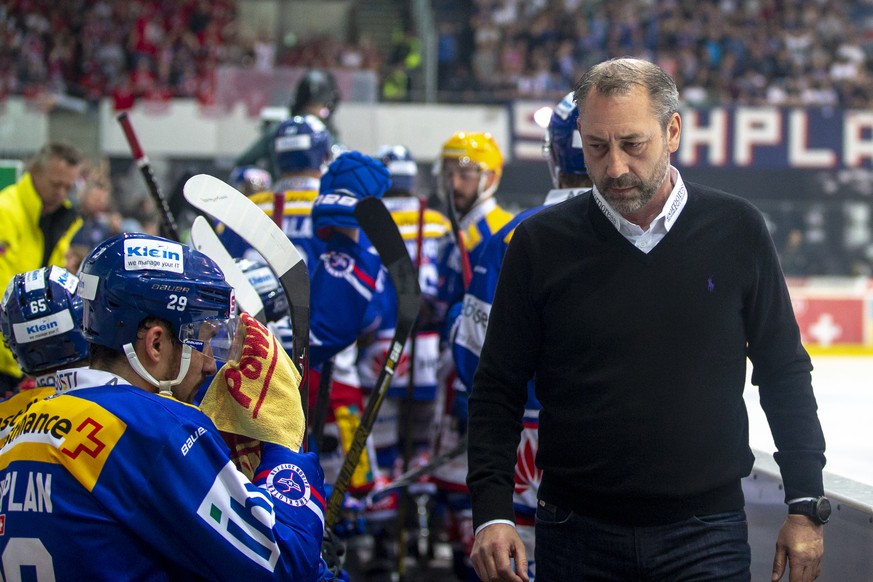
380,228
204,239
230,206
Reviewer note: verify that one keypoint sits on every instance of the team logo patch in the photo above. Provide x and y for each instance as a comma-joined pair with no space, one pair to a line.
289,484
338,264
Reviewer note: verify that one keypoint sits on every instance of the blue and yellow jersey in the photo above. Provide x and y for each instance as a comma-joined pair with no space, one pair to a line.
477,226
107,481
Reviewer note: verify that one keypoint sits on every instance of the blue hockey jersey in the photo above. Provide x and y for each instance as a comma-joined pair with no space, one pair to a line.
110,482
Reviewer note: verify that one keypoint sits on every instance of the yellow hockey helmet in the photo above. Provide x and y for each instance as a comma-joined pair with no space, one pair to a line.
474,148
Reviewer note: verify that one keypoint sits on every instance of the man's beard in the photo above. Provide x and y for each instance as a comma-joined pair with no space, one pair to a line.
646,189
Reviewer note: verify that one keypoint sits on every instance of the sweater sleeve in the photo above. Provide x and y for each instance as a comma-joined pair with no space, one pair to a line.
781,370
499,390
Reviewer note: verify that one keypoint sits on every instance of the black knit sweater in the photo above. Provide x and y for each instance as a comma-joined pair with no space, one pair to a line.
640,363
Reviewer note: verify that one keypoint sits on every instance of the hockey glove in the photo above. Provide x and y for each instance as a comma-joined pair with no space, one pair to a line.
349,178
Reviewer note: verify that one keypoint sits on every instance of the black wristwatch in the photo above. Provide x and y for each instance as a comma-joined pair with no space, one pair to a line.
818,509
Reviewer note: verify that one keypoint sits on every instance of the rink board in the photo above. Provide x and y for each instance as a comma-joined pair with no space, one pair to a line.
848,536
844,390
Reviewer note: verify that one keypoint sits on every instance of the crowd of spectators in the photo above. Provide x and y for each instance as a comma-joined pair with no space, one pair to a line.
88,49
750,52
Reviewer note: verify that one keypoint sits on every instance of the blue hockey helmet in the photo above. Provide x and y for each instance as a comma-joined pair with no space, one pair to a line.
301,143
402,167
250,179
134,276
268,287
562,144
41,320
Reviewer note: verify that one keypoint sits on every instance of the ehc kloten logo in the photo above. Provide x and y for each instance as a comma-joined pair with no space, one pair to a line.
288,483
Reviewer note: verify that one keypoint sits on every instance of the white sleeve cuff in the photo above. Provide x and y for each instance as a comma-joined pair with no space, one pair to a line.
492,522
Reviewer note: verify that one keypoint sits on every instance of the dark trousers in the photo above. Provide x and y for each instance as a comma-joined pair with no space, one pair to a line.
572,547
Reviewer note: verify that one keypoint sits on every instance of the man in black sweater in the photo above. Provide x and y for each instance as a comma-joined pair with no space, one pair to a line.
636,307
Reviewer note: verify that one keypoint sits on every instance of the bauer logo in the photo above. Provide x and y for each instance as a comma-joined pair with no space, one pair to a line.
141,254
51,325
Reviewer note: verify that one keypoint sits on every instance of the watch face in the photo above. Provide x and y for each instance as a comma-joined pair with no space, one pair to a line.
823,509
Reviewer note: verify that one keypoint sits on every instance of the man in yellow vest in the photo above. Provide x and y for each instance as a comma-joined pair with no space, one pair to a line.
37,221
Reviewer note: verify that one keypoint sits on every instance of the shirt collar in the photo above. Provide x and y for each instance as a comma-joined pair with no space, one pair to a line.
77,378
666,218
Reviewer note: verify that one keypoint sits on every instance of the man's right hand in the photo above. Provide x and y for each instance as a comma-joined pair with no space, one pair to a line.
492,550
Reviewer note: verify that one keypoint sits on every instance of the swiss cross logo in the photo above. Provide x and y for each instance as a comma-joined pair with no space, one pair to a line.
3,525
89,443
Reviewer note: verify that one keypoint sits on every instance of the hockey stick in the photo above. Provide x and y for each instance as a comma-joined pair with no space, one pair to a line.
413,475
408,404
322,404
168,222
230,206
378,225
204,239
466,269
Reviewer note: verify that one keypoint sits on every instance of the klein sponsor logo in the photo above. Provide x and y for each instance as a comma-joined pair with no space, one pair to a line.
48,326
142,254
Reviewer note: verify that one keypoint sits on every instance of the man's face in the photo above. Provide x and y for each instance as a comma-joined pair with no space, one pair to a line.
54,182
462,182
627,154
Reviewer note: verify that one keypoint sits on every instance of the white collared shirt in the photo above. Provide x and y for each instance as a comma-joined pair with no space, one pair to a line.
645,240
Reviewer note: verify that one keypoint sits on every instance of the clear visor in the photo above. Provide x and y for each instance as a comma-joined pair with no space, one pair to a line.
219,339
464,168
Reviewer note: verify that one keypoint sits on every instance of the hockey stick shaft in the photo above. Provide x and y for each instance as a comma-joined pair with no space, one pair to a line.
377,223
413,475
406,416
322,405
466,269
169,229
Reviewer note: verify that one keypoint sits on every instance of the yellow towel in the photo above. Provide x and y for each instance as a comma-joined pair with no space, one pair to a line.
258,398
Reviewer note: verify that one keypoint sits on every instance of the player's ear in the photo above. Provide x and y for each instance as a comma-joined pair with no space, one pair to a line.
155,340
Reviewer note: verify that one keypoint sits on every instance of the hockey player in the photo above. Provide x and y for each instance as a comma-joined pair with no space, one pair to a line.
41,318
316,94
301,151
83,471
344,279
426,232
429,228
562,148
468,175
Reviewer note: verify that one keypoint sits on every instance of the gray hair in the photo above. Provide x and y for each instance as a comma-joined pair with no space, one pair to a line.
619,76
56,151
